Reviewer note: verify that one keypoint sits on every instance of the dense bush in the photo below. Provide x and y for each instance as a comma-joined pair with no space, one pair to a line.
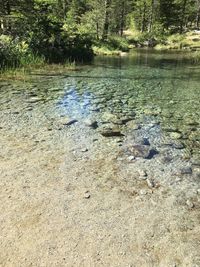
113,45
9,54
118,43
44,46
15,53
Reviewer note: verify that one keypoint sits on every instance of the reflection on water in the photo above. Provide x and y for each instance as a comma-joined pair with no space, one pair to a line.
162,86
74,104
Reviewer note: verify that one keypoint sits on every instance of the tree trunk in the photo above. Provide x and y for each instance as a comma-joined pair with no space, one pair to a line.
183,15
151,16
198,14
2,25
97,30
7,7
7,13
143,18
122,18
106,23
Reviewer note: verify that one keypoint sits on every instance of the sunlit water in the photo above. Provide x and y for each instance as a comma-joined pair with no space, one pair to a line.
161,87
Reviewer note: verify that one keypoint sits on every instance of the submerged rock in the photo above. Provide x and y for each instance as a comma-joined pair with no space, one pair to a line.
110,132
131,158
84,149
132,125
34,99
142,151
70,122
178,145
109,117
143,174
91,123
190,204
87,195
145,141
150,183
175,135
186,170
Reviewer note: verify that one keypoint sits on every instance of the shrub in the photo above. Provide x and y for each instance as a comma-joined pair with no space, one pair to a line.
8,52
15,53
118,43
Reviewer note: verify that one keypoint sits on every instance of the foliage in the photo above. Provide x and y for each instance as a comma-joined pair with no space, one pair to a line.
118,43
15,53
105,50
114,45
48,36
34,31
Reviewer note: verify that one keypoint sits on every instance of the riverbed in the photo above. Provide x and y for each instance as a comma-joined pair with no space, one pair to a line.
101,166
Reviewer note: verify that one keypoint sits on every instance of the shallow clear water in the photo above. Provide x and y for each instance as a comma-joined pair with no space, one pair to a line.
162,87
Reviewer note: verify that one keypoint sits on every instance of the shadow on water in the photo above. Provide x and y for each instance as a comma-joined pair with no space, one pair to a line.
140,64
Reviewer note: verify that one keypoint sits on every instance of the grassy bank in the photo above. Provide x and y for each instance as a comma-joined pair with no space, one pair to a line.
117,45
186,41
114,45
25,72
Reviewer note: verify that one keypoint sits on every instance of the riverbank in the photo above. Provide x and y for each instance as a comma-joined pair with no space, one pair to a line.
189,42
114,46
24,73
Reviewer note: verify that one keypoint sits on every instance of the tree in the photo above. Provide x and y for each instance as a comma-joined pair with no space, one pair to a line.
197,13
107,5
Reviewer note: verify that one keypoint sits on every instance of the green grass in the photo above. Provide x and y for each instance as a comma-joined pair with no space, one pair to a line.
187,41
31,59
114,45
25,72
104,50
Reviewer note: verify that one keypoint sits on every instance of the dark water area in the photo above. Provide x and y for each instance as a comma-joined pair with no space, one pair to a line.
146,85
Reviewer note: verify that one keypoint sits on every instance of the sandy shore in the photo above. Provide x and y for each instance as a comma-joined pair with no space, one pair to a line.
70,197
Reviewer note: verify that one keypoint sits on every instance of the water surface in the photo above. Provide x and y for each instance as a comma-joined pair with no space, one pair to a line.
147,85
